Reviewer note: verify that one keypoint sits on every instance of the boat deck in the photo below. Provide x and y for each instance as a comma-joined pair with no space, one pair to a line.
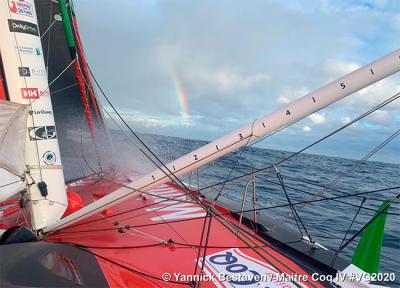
163,238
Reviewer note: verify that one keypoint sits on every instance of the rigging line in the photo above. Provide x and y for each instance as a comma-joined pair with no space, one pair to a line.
295,214
84,158
82,247
226,223
118,247
353,244
197,218
339,201
129,137
256,170
162,244
56,78
48,28
242,150
170,174
205,248
78,160
367,224
121,226
94,137
197,200
310,193
172,228
48,42
380,105
324,199
246,237
175,198
62,89
347,232
102,176
259,208
201,243
356,165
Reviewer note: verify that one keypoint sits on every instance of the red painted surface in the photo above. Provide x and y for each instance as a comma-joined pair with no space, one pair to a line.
2,93
74,203
82,89
136,236
2,88
85,68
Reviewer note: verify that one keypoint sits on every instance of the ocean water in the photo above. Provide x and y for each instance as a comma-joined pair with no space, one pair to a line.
304,176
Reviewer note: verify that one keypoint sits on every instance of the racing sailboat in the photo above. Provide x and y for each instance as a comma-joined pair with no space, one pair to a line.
92,225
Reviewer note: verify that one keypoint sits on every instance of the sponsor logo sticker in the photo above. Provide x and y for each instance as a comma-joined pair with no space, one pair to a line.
24,49
234,268
44,93
23,27
40,112
42,133
24,72
30,93
21,7
49,158
38,72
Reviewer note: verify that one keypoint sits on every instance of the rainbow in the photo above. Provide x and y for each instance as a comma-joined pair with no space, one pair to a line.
180,93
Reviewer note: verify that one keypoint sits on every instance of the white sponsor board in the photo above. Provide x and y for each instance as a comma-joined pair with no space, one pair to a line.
234,268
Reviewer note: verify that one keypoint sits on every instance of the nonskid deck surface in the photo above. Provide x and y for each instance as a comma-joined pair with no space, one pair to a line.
156,237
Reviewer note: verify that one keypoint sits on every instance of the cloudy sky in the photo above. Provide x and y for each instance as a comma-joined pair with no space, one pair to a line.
234,61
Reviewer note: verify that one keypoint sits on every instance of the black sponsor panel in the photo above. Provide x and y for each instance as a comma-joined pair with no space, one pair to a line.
42,133
23,27
24,71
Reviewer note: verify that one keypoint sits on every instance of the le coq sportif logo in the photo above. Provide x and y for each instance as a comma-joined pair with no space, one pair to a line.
23,27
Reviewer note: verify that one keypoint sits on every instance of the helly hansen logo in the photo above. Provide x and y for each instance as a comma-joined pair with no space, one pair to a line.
42,133
30,93
23,27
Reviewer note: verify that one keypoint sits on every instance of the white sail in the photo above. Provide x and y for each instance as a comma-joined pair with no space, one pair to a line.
13,119
293,112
